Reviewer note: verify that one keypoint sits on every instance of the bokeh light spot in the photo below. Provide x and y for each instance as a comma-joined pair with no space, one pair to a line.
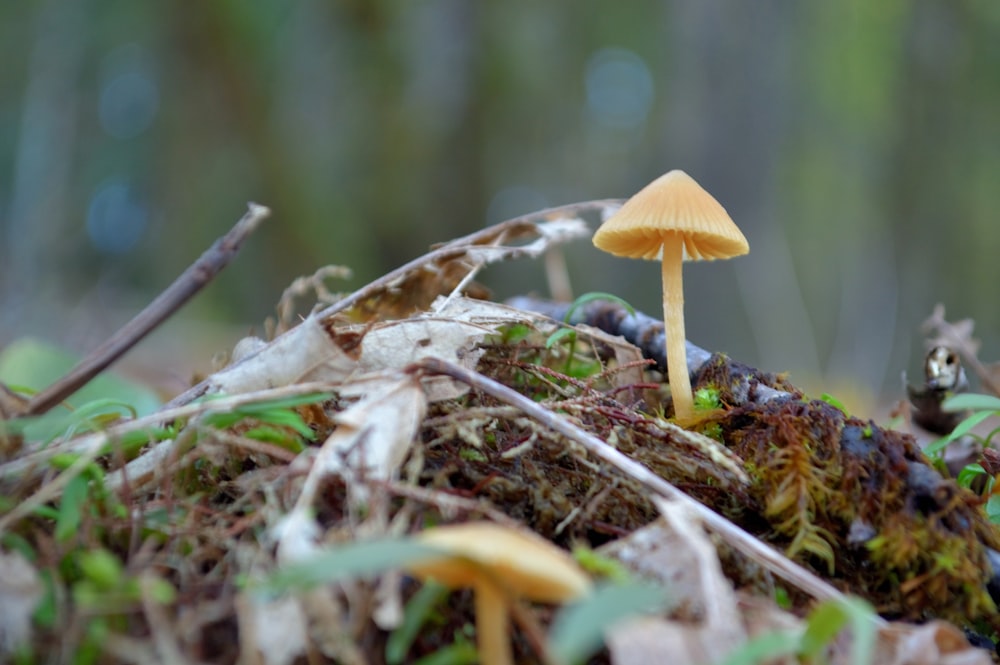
129,97
115,219
619,88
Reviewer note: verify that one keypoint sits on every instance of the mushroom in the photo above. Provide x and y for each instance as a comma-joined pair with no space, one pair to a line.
500,564
673,219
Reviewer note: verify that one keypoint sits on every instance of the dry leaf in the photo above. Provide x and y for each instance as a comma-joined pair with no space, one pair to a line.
934,643
371,441
655,640
305,353
956,335
271,628
707,626
374,435
451,332
397,344
550,233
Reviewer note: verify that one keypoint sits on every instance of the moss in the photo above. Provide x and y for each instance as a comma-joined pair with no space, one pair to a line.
862,504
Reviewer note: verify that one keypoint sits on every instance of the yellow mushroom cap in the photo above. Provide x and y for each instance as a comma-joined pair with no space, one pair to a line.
522,562
672,204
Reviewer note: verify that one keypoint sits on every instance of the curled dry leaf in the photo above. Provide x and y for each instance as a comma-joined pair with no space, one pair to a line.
450,267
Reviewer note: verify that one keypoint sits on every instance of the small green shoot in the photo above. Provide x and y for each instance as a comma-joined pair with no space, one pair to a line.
461,652
472,455
972,402
105,587
514,333
594,296
981,407
993,508
834,402
781,598
969,473
277,412
71,508
600,565
578,370
569,334
101,568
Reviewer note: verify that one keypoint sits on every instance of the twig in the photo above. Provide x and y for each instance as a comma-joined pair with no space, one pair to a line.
190,282
738,538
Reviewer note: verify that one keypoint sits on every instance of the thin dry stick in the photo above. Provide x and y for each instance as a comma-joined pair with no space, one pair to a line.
738,538
190,282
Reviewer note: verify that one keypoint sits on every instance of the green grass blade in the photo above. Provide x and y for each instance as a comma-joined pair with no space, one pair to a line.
70,514
971,401
352,560
578,630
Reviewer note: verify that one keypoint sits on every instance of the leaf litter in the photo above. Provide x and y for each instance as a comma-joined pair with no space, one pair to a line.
277,537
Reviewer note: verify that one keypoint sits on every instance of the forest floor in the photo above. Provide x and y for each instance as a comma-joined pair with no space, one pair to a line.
288,508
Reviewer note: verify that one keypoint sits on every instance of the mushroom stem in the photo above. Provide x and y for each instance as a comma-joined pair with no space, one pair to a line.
492,625
673,320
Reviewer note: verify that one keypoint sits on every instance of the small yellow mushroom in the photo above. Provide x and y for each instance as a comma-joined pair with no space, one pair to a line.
501,565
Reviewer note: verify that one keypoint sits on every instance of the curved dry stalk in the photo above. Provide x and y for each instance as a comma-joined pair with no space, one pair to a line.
495,234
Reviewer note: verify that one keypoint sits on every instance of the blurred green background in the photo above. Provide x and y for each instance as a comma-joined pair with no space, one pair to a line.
856,143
